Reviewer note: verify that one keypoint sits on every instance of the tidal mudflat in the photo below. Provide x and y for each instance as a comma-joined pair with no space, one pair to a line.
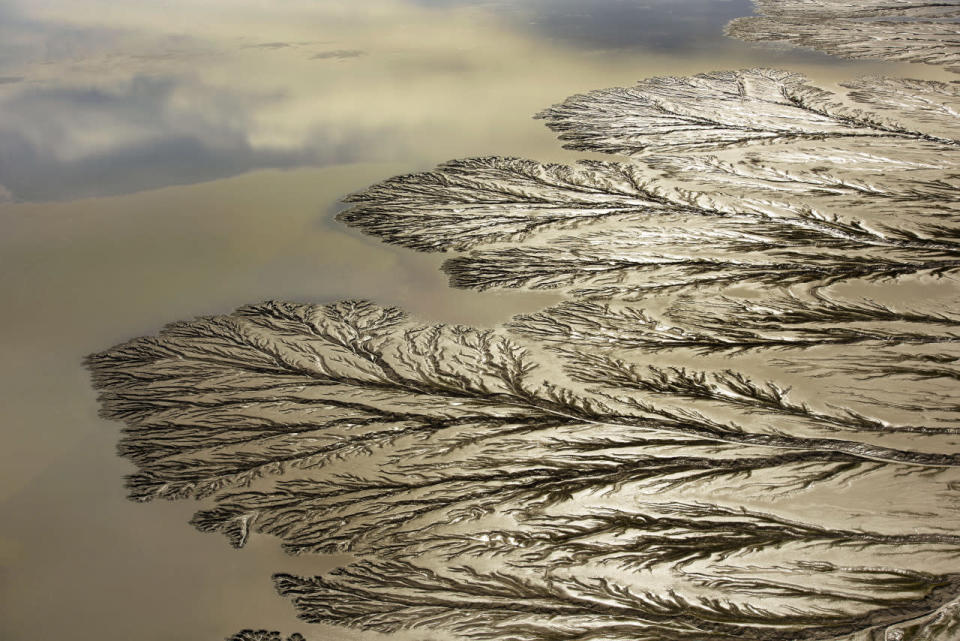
693,376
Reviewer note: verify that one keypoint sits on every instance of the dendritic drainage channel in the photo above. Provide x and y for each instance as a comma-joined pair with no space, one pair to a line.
736,178
902,30
741,424
264,635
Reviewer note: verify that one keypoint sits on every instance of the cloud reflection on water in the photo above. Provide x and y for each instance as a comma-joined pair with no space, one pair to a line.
147,132
105,100
674,26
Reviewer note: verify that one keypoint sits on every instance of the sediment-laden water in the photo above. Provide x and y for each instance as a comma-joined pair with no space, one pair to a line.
714,398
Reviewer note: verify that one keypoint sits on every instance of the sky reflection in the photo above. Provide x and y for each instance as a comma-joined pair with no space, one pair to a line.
99,98
653,25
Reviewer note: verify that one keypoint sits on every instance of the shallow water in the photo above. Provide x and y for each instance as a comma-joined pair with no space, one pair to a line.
163,162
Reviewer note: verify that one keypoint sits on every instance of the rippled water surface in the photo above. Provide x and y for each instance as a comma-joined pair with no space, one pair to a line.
160,161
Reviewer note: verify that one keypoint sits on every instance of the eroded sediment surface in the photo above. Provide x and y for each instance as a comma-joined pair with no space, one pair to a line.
500,485
903,30
742,424
263,635
750,178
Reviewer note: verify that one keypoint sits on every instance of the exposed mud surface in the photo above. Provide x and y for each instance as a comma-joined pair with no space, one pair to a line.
906,30
742,424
